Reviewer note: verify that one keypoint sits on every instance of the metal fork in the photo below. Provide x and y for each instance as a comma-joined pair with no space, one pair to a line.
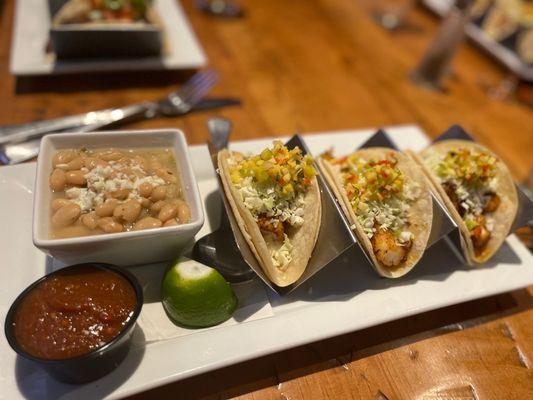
176,103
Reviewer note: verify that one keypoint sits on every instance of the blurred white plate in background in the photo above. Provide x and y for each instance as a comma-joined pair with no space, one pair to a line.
31,36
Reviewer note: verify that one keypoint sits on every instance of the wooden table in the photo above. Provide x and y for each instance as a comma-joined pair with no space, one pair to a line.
318,65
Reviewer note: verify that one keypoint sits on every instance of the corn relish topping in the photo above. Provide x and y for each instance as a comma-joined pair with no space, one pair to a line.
272,186
469,179
287,171
370,180
377,191
470,168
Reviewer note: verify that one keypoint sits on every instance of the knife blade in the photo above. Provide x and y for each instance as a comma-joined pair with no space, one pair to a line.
34,130
15,153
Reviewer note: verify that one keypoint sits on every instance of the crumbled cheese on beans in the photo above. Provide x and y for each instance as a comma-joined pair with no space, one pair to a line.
99,183
82,197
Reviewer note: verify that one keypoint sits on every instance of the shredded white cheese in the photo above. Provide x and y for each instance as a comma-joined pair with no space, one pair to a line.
282,257
264,201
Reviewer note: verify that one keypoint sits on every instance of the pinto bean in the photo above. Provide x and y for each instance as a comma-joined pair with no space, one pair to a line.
109,155
76,178
109,225
93,162
76,164
171,222
146,203
107,208
184,212
157,206
120,194
168,211
58,180
90,220
128,211
66,215
58,203
159,193
145,189
166,175
63,157
147,223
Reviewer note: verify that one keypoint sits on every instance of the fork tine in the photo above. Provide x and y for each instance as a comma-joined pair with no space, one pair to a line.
200,90
197,77
199,94
192,91
196,92
196,80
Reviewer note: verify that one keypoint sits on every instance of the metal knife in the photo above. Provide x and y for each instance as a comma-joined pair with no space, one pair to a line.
14,153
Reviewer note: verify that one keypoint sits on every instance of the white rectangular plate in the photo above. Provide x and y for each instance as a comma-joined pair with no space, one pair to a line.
30,38
346,298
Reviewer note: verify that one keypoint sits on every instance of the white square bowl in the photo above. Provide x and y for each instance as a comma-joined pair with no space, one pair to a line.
125,248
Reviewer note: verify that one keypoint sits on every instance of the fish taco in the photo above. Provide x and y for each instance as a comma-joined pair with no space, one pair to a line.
386,198
276,201
478,190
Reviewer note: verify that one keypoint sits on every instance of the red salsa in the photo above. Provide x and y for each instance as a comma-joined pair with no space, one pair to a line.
73,312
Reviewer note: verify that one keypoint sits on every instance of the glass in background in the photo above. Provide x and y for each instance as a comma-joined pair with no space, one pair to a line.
435,64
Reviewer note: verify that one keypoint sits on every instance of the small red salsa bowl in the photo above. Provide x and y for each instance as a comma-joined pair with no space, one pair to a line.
76,322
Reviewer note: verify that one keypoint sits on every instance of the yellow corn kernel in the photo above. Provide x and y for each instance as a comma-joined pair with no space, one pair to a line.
370,176
266,154
235,177
288,188
261,176
309,171
397,185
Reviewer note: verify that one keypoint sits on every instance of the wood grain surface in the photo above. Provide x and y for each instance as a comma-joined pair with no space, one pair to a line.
320,65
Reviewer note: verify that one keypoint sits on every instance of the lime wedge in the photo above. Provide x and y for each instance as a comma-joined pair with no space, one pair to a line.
196,295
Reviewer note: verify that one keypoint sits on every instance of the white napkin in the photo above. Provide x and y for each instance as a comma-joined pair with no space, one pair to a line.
253,304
